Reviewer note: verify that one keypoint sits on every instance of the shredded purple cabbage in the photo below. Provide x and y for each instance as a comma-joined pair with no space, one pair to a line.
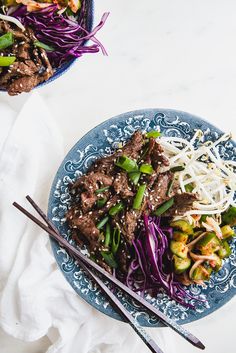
152,268
67,37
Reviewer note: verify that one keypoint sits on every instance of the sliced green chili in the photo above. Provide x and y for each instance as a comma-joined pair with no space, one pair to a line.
101,202
146,169
6,40
107,235
109,259
178,168
102,222
139,197
153,134
7,60
164,207
116,209
115,240
99,191
134,177
126,163
44,46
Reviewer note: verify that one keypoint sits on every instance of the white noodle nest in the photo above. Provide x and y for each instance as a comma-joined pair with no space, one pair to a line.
214,179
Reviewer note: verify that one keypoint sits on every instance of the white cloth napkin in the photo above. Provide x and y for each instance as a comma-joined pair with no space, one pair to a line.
35,299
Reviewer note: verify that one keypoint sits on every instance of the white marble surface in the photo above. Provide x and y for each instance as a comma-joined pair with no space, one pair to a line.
176,54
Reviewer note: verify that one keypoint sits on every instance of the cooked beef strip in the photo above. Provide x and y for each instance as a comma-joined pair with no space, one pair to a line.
121,185
155,156
27,68
23,51
27,83
182,203
31,66
86,225
123,256
158,192
104,265
88,200
131,149
93,181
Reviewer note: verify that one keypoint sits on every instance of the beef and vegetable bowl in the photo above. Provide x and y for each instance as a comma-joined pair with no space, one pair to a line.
39,37
158,213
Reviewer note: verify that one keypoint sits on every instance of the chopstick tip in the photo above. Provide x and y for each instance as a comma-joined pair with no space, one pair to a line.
200,345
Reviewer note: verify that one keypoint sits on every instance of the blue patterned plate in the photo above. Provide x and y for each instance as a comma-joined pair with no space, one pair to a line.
100,142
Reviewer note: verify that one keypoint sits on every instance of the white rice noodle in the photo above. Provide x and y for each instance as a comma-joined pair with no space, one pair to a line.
213,179
13,20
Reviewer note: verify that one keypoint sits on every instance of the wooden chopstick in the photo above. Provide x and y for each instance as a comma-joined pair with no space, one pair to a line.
150,343
167,321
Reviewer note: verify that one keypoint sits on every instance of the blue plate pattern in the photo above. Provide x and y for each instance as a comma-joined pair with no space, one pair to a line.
101,141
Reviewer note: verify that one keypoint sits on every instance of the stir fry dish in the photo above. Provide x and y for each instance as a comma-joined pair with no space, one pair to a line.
38,37
158,213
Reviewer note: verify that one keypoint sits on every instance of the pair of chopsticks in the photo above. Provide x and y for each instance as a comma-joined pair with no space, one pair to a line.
88,265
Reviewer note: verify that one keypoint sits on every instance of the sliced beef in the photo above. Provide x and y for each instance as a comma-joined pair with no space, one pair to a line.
127,222
88,200
121,185
104,265
86,225
182,203
155,156
22,84
27,68
31,66
133,148
158,192
93,181
23,51
105,165
123,256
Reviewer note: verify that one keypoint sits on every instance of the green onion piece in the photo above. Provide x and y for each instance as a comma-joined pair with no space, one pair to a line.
6,40
99,191
7,60
153,134
126,163
109,259
170,185
139,197
134,177
146,169
102,222
116,209
44,46
178,168
115,240
189,187
164,207
101,202
107,235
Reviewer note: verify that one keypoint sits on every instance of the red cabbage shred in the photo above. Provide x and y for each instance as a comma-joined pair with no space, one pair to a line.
152,269
67,37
